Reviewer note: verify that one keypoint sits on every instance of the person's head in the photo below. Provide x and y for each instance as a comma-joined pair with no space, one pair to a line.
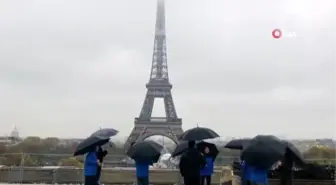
241,157
191,144
100,149
288,152
288,155
92,149
206,150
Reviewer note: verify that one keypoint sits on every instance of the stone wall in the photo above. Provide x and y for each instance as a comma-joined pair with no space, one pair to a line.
221,176
236,181
109,176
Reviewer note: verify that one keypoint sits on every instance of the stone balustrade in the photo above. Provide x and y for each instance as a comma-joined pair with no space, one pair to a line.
75,175
236,181
64,175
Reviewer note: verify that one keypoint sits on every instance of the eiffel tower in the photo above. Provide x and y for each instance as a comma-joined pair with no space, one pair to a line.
157,87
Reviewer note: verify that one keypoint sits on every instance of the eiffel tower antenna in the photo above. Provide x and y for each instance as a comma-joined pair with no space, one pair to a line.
159,71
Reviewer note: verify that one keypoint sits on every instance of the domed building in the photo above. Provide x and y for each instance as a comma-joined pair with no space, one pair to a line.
12,139
14,133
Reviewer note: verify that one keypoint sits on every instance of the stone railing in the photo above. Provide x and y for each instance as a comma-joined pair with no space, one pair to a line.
125,176
236,181
109,176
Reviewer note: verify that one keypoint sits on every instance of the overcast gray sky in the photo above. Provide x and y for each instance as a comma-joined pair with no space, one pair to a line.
70,67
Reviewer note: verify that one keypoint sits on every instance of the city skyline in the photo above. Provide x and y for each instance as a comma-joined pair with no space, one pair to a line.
66,71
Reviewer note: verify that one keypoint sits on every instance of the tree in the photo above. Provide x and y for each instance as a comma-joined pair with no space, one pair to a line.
228,152
28,161
320,152
37,145
28,145
2,148
17,160
41,151
70,161
50,142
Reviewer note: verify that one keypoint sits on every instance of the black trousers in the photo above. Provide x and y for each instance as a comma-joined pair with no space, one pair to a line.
206,179
286,180
246,182
143,180
193,180
98,173
90,180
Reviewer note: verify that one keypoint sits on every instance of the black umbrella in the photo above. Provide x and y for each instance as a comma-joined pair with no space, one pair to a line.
90,144
237,144
213,151
106,132
145,150
183,146
263,151
180,148
198,133
296,154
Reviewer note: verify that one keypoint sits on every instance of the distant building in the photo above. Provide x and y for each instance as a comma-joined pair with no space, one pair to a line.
12,139
5,140
15,133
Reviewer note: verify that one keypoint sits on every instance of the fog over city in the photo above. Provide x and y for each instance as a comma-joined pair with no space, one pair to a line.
68,68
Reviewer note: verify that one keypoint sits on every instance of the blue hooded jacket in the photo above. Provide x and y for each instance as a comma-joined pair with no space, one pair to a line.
90,164
142,168
208,168
246,171
259,176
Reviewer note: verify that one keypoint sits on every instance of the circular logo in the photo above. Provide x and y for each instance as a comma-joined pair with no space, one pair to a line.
276,33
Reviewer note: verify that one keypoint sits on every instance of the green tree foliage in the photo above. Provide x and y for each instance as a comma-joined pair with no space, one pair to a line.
42,146
50,144
229,153
28,145
48,151
17,160
320,152
2,148
70,161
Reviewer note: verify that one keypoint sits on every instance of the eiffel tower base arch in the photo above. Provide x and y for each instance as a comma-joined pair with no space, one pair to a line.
142,131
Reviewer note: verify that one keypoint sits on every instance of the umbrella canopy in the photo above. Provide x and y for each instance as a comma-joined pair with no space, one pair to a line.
296,154
90,144
198,133
183,146
106,132
180,148
145,150
213,151
263,151
237,144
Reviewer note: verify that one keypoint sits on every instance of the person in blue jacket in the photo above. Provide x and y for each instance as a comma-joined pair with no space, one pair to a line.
246,173
207,171
142,171
259,176
91,164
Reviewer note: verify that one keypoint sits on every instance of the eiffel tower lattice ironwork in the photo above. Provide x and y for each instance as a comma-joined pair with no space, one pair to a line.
157,87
